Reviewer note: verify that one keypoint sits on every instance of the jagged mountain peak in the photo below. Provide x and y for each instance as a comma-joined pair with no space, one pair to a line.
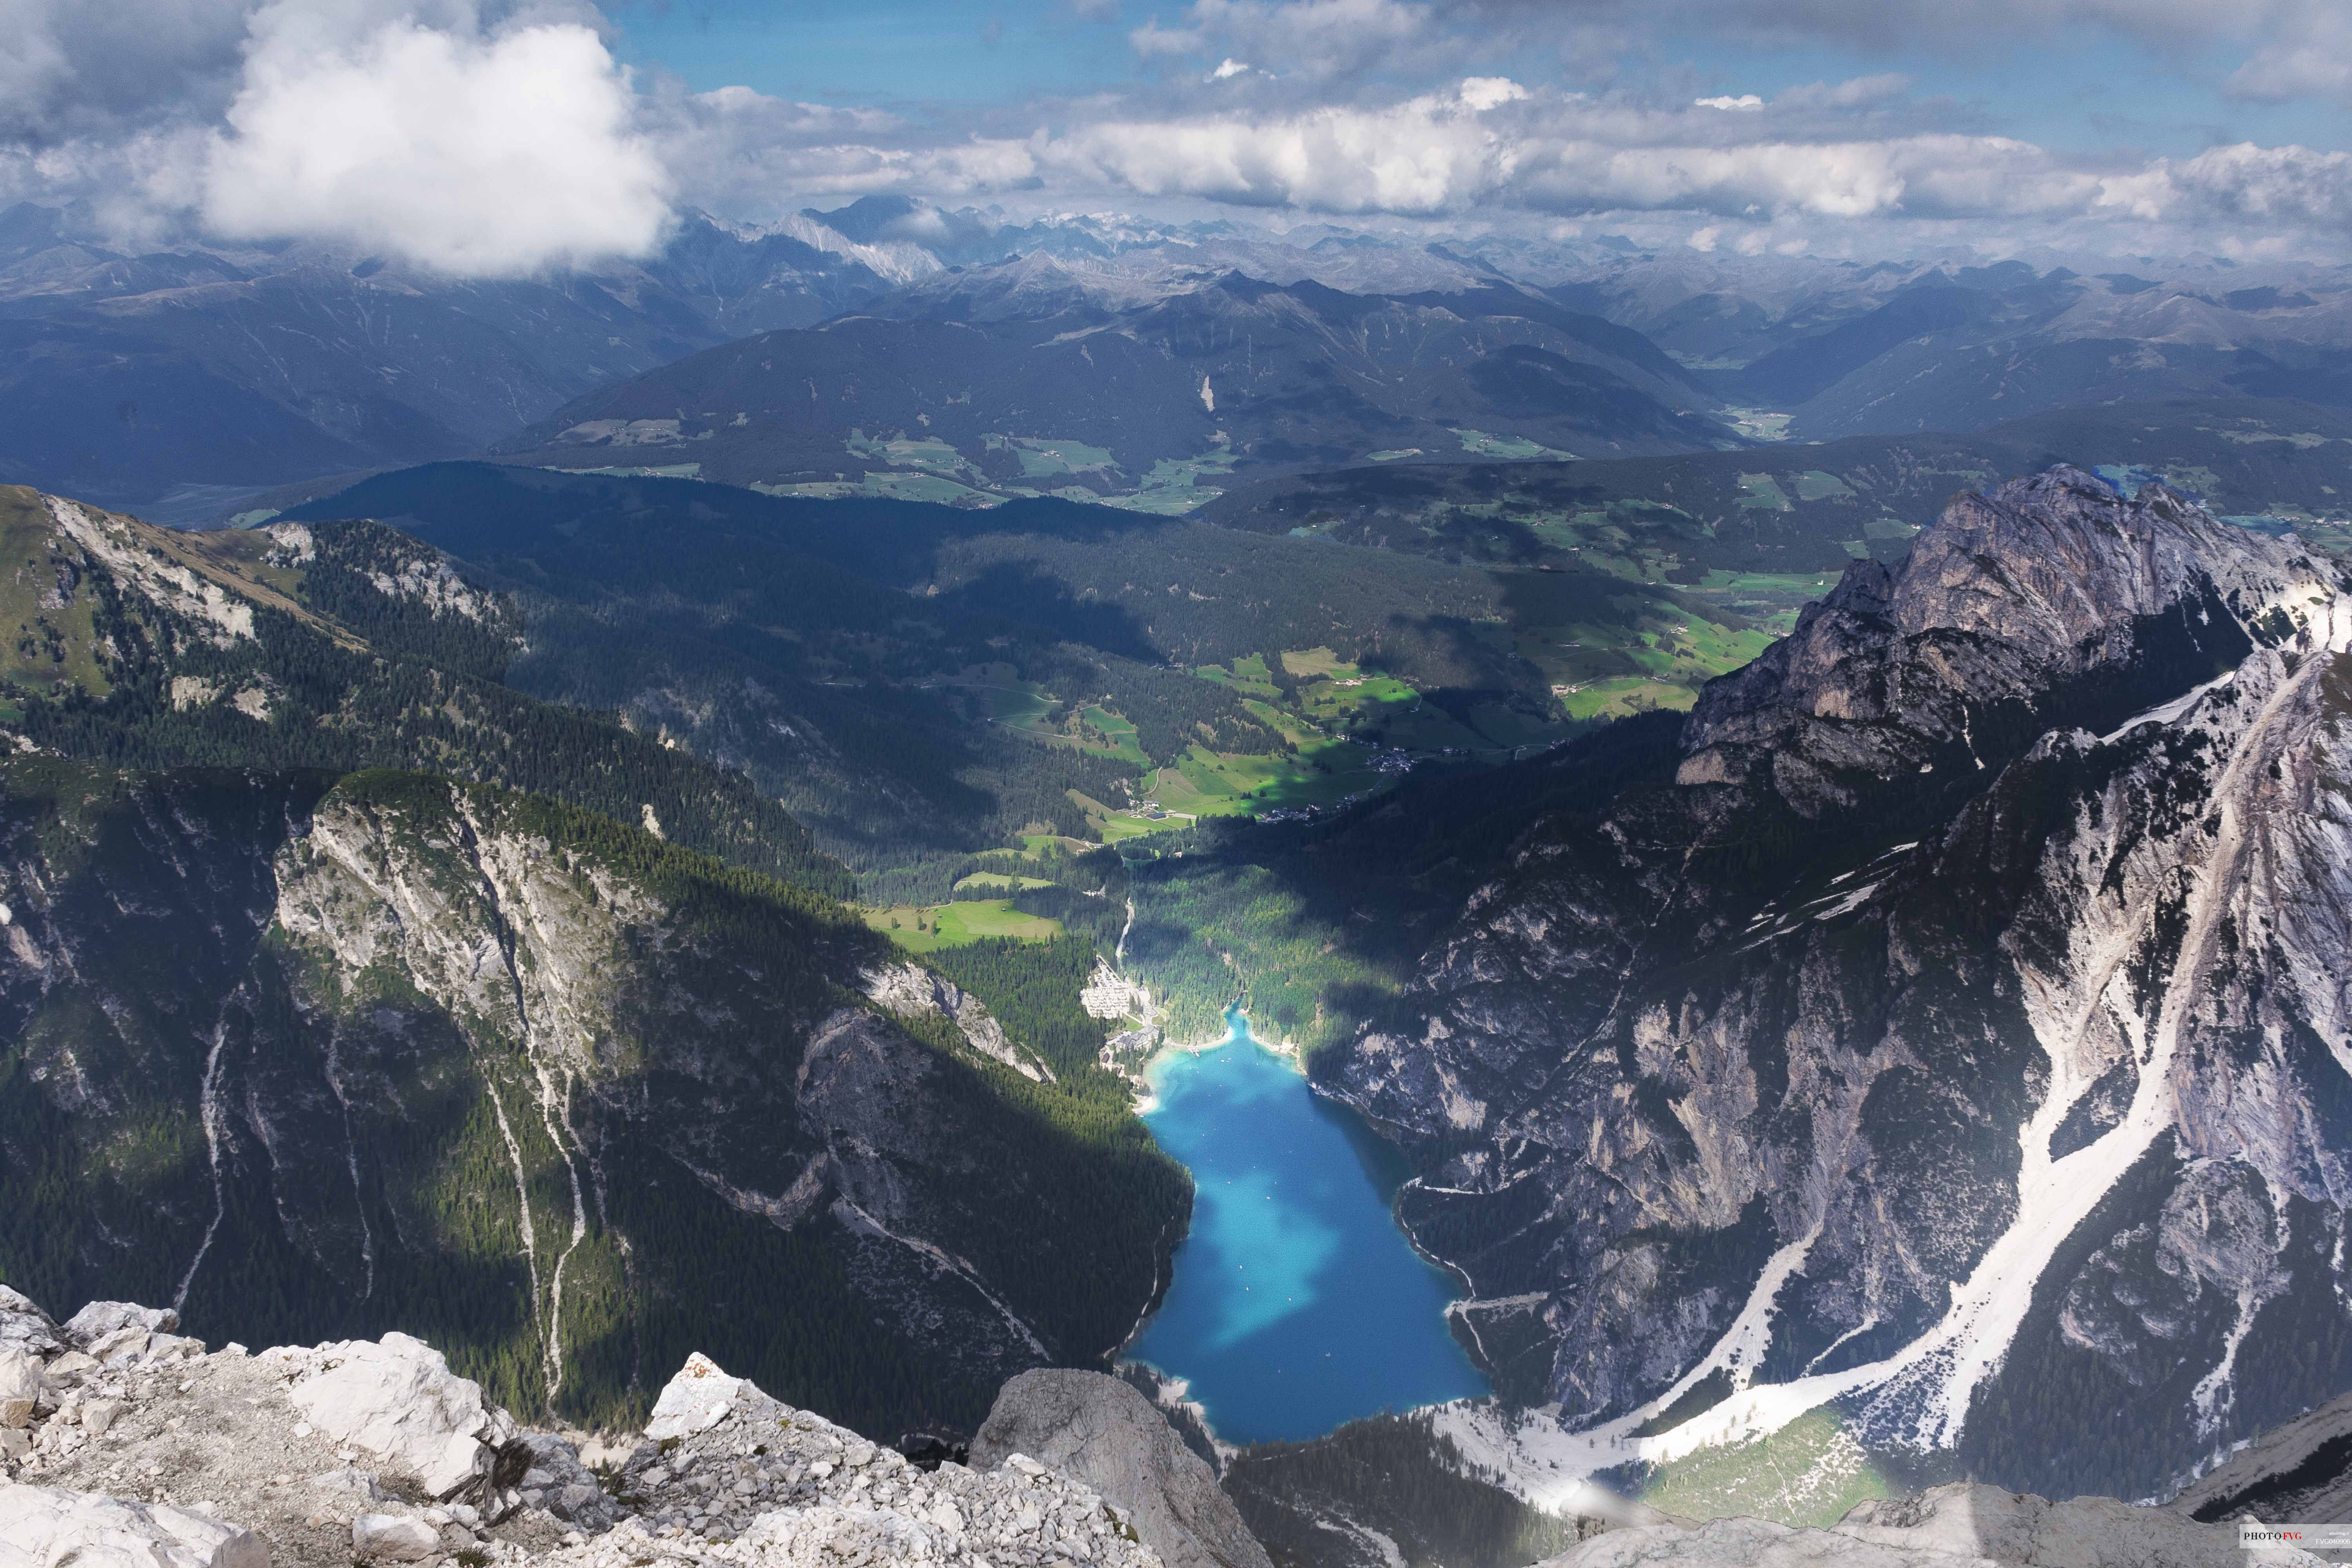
2059,560
2051,600
1957,1043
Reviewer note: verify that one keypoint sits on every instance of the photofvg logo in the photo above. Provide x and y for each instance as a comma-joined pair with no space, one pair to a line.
2297,1537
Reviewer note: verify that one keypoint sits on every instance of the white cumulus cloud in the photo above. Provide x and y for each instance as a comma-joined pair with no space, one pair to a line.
484,152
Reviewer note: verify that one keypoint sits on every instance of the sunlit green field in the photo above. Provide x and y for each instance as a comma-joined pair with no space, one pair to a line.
1001,881
927,929
928,468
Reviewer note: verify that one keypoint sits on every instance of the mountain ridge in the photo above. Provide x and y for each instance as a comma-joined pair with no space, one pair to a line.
301,1042
1775,1054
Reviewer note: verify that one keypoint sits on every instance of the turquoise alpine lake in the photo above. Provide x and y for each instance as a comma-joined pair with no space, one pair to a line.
1298,1305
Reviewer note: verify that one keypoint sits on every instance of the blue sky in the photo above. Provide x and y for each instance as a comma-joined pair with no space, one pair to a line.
2083,87
840,52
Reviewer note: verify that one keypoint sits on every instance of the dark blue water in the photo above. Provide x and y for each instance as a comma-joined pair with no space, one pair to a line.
1298,1304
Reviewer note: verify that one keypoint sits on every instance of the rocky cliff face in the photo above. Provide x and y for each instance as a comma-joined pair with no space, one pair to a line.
1950,1023
307,1061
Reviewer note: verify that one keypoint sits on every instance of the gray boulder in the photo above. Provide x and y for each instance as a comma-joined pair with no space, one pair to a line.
394,1538
766,1486
24,1326
99,1320
1104,1433
557,1481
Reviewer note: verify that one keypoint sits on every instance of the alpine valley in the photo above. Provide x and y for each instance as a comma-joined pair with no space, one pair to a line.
1768,841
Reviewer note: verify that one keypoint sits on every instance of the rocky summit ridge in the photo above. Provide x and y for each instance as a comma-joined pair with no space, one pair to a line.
124,1444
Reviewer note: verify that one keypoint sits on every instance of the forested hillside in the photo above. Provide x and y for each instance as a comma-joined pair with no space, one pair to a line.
343,647
669,1120
923,684
314,1048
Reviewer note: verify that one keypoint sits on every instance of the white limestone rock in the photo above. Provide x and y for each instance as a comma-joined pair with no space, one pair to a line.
731,1475
98,1320
20,1387
43,1527
397,1399
697,1399
394,1538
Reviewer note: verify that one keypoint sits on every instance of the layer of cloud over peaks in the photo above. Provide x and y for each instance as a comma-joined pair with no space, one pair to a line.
496,137
1492,143
484,152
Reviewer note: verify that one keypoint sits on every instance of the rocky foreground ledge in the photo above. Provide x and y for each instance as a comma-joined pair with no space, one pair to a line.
124,1445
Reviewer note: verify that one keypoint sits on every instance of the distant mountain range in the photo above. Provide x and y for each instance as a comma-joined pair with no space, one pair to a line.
1024,379
127,377
958,356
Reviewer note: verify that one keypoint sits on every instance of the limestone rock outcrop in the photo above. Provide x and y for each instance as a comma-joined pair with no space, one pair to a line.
397,1400
293,1447
728,1474
1101,1431
138,1449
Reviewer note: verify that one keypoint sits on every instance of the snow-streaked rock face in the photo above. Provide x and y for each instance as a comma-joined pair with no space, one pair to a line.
1959,1025
2300,1471
2007,602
